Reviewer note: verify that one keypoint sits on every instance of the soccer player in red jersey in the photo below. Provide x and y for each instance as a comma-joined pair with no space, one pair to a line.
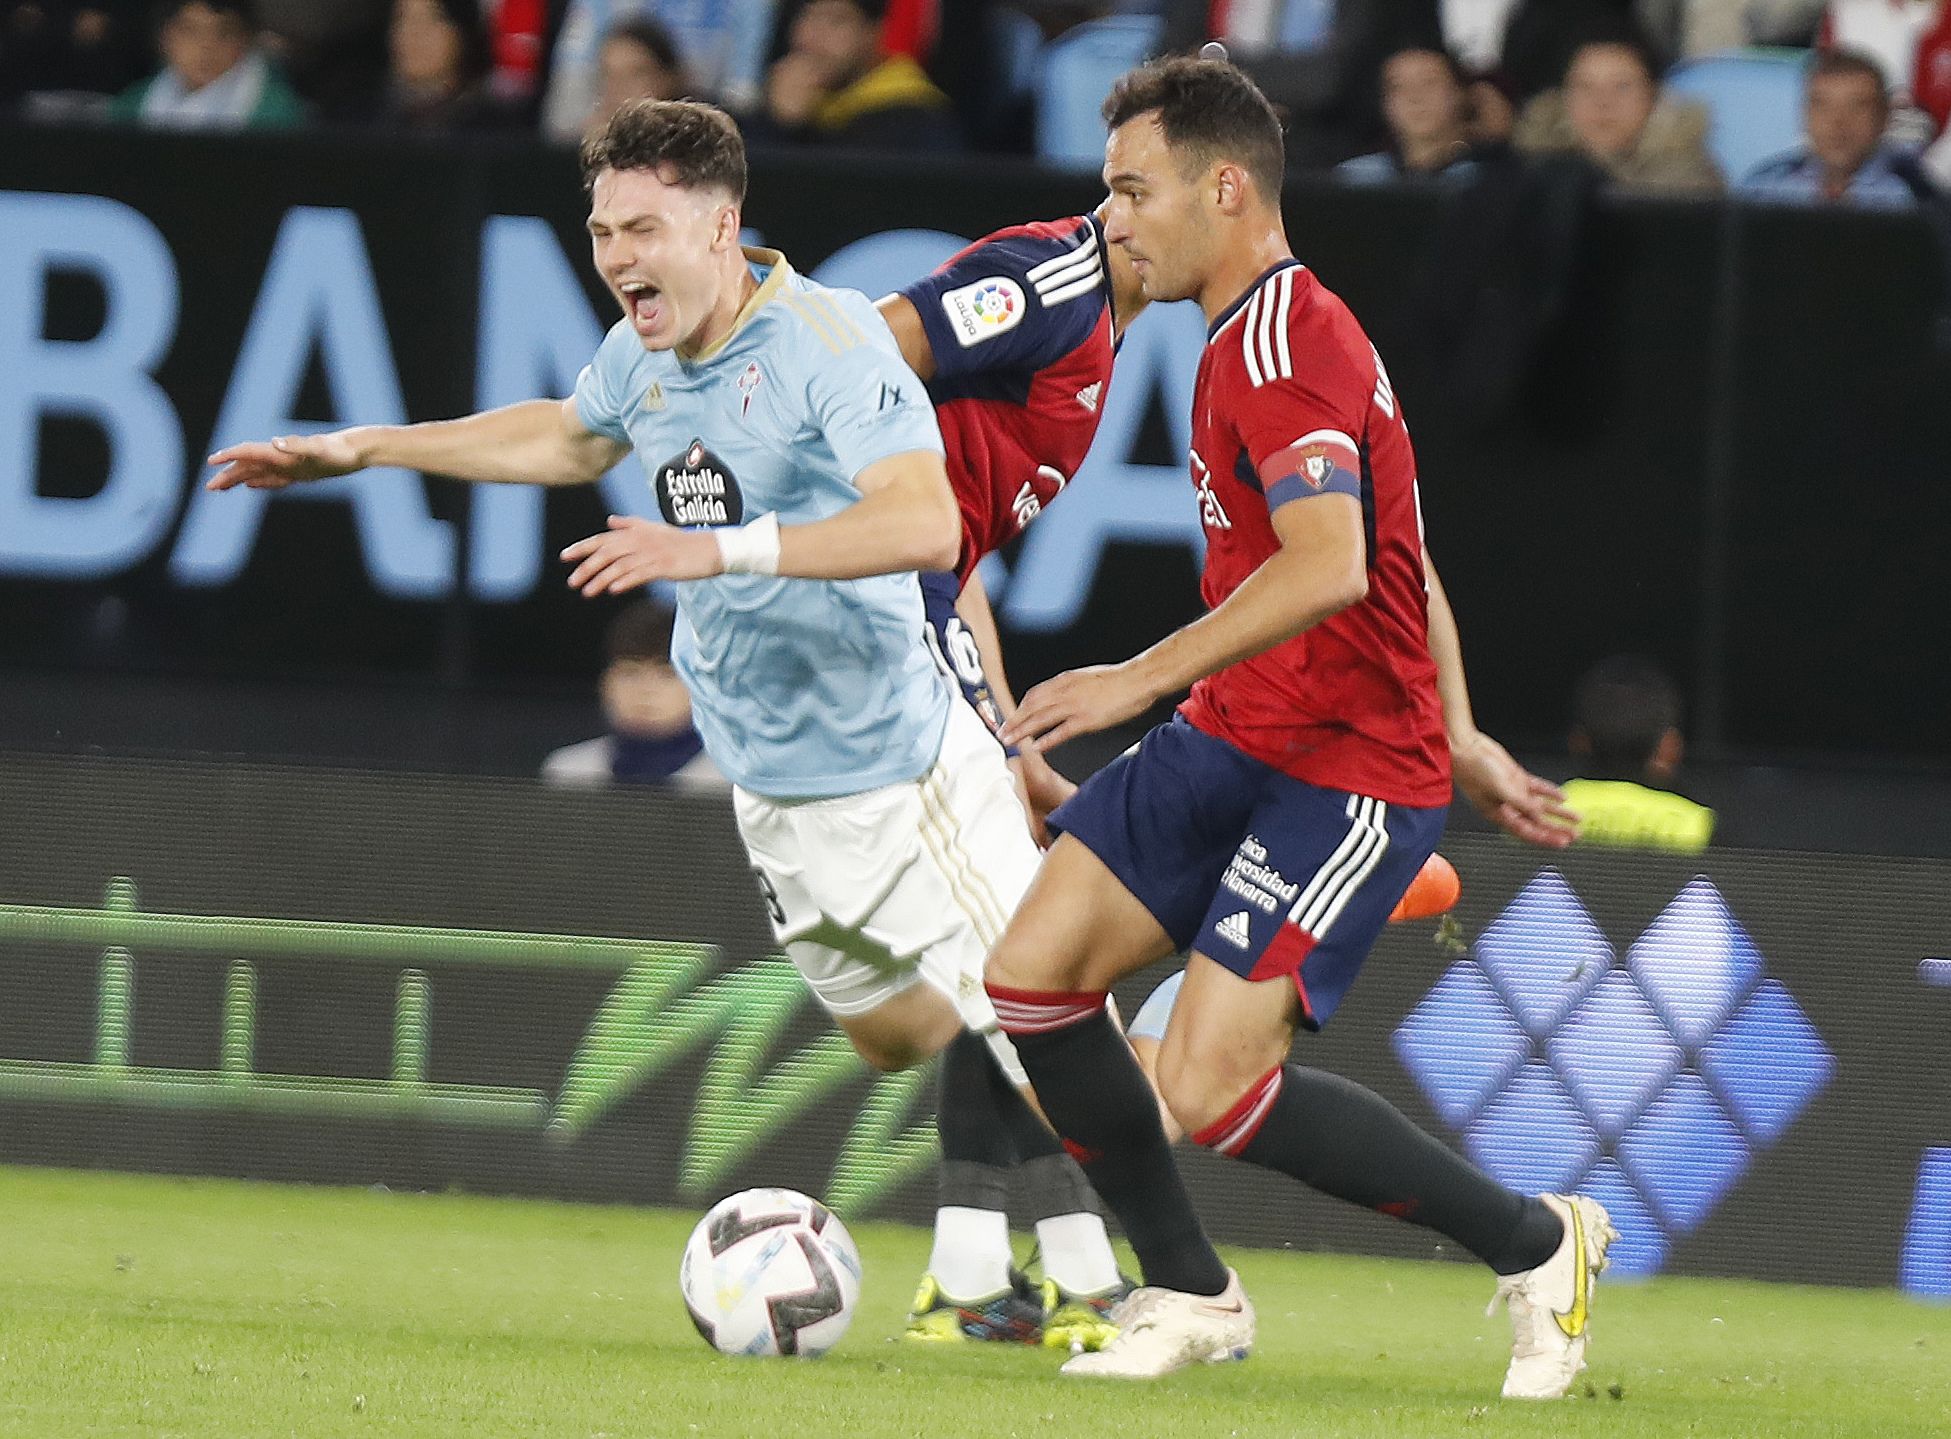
1272,825
1014,337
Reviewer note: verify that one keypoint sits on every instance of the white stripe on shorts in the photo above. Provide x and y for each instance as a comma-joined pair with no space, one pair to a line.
1347,869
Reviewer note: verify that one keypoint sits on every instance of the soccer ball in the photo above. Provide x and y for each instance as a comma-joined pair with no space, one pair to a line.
770,1271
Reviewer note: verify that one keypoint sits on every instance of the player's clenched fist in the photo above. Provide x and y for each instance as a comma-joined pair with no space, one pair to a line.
635,551
288,460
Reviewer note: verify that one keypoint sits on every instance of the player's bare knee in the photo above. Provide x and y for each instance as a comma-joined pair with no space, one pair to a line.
1194,1095
1201,1083
1018,962
889,1058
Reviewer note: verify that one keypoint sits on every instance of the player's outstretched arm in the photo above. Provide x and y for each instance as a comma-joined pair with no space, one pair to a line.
909,333
972,604
1039,784
1319,570
1522,804
905,519
540,442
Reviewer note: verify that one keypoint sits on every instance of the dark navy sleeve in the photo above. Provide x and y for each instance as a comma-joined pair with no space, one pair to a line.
1017,300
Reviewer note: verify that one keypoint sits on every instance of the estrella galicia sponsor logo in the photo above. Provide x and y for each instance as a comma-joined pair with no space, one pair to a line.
696,488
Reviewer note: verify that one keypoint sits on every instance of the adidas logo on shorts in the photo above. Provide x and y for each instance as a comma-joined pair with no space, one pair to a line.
1233,930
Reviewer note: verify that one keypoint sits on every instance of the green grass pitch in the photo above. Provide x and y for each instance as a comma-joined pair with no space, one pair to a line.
209,1310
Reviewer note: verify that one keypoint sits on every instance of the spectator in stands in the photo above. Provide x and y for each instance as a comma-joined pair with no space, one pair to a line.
1610,110
1846,159
1930,85
438,79
648,710
517,37
1889,32
721,44
1626,738
335,55
835,87
637,62
1321,60
213,77
1426,102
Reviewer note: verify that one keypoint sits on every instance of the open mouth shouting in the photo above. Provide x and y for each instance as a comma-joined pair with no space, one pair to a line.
644,303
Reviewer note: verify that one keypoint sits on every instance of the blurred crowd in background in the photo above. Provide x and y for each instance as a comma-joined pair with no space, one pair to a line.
1848,102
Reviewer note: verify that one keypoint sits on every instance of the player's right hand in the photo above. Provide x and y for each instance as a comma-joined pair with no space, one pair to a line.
287,460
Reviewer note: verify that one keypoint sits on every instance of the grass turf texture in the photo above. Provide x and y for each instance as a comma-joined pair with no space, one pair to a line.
157,1307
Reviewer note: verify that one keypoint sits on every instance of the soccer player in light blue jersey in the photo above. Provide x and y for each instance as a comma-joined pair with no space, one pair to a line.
798,470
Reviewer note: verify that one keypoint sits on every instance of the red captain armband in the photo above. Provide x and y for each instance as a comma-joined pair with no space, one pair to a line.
1319,461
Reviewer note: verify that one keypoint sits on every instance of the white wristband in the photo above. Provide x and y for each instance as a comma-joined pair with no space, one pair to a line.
751,549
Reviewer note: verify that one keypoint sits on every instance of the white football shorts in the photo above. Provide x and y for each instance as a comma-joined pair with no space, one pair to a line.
910,883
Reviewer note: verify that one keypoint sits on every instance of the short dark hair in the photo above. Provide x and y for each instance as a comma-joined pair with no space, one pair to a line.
1208,108
1625,705
872,11
698,141
244,12
1437,49
1845,61
1621,34
640,631
463,17
650,35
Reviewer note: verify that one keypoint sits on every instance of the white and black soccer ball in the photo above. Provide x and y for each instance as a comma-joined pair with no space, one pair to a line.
769,1271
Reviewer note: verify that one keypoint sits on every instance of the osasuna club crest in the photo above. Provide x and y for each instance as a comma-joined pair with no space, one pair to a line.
695,488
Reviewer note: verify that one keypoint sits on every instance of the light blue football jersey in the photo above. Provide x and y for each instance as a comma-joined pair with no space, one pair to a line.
800,688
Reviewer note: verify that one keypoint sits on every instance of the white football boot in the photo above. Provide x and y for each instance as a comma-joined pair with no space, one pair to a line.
1551,1305
1160,1330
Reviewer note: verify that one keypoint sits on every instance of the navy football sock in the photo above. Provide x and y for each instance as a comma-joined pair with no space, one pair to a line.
1335,1136
1089,1084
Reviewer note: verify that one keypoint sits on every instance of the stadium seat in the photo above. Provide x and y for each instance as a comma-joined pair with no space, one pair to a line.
1016,41
1754,100
1079,68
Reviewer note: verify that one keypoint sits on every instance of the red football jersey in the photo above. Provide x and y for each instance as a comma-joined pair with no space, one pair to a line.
1292,400
1021,329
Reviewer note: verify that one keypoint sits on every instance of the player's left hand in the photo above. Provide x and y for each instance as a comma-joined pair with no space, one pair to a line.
1042,789
634,551
1080,702
1518,802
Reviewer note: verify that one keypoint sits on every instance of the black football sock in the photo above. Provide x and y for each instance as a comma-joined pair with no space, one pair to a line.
1093,1091
1335,1136
977,1149
982,1119
971,1256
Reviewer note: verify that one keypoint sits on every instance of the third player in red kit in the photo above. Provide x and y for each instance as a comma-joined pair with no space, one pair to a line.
1014,336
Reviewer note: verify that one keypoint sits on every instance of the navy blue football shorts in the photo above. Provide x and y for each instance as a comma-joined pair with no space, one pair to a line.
955,650
1264,873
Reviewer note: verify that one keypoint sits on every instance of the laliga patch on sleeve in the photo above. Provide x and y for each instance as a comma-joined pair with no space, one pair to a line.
984,310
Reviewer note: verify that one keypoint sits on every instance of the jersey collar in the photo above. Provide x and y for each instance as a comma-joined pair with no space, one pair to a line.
775,281
1226,315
